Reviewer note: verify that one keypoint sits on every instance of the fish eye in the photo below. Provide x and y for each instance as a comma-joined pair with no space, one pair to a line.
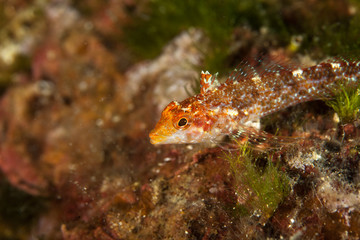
182,122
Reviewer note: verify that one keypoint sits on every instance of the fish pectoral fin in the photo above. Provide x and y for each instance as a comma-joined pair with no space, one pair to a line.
262,140
255,123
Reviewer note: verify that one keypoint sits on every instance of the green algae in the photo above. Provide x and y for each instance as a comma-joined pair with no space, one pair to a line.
346,103
163,20
194,87
326,30
260,190
333,39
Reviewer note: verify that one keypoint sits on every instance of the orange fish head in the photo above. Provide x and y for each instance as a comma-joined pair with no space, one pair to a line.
181,123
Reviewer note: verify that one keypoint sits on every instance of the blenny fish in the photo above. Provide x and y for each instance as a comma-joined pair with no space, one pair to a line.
235,106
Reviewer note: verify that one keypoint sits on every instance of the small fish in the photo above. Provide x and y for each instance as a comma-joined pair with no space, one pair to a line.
236,106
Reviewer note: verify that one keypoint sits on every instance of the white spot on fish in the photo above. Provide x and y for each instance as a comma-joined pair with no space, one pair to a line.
297,73
256,80
231,112
335,65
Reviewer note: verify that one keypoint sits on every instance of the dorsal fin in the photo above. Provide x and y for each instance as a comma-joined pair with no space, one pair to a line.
208,82
276,63
248,71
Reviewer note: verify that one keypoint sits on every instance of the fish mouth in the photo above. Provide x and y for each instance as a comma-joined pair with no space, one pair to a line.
155,138
153,141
